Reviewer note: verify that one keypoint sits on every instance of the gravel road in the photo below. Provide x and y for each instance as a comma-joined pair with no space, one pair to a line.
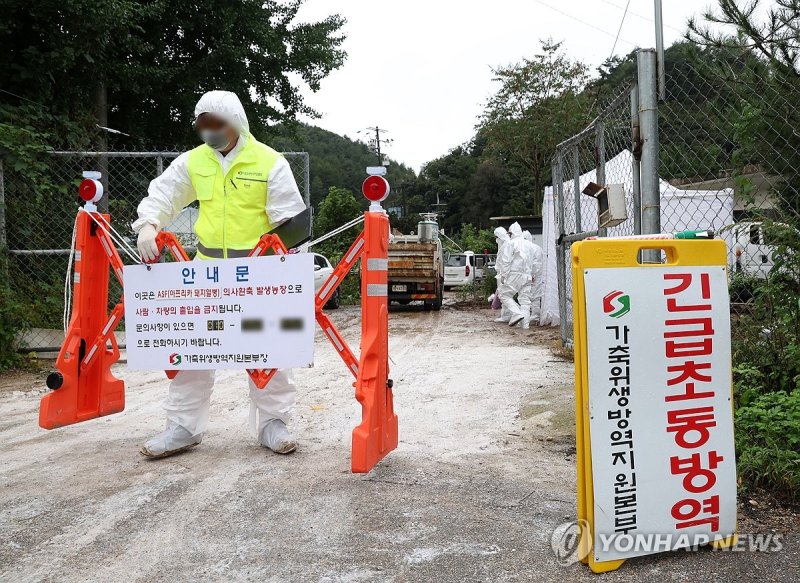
483,474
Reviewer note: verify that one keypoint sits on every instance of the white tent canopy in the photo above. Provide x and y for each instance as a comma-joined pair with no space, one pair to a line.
681,210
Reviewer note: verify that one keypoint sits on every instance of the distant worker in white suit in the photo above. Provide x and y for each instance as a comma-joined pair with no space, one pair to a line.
530,296
244,189
517,263
501,266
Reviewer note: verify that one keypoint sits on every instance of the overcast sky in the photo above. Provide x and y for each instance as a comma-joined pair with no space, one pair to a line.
421,69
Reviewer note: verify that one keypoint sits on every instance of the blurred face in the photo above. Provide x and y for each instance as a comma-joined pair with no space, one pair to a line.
216,132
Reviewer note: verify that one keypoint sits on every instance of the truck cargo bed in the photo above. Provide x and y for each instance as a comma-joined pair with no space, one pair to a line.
412,260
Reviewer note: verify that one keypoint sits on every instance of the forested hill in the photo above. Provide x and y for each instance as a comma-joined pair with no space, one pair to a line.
336,161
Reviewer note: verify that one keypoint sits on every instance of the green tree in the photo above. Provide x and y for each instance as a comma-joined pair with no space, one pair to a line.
765,85
335,160
541,101
152,60
339,207
736,26
470,238
470,185
759,75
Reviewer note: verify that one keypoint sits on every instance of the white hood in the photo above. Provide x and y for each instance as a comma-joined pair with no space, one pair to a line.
226,105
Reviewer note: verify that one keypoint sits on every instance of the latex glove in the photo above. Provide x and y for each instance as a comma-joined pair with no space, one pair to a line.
147,243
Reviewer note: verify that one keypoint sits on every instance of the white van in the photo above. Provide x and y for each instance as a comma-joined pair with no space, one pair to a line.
465,268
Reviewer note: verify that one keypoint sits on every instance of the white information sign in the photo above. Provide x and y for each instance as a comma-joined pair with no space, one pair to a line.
661,420
254,312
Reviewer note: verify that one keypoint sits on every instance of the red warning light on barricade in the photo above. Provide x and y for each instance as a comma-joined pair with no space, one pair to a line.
90,190
375,188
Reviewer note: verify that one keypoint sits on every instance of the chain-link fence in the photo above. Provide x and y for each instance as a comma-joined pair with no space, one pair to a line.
38,222
720,151
600,154
728,161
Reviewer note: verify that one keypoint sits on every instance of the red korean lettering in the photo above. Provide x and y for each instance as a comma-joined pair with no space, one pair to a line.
697,479
689,392
689,370
693,327
684,422
686,511
685,349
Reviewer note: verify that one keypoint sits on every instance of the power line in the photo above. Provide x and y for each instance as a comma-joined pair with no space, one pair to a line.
583,22
23,98
619,30
637,15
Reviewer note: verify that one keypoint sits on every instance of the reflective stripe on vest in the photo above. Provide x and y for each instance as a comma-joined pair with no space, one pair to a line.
232,214
218,253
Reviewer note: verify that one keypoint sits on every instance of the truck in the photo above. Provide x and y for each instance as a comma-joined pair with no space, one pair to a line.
416,266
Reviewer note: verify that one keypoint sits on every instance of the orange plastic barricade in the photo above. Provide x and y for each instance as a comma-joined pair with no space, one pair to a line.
377,434
84,388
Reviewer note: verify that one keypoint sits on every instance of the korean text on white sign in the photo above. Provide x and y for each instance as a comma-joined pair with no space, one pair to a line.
661,426
254,312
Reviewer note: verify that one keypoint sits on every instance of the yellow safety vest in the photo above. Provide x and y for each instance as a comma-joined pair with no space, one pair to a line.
232,214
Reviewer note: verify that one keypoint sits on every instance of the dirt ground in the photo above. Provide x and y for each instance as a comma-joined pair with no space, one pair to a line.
484,472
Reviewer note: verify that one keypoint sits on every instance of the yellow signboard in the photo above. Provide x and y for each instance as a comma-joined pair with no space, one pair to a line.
653,398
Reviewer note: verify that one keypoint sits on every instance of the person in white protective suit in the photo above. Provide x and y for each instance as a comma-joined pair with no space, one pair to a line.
530,296
244,189
501,268
517,266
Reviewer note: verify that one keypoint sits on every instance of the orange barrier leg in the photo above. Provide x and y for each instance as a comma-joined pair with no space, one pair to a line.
86,392
377,434
334,280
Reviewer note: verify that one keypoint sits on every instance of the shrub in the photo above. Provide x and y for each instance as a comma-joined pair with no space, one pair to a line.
479,291
12,320
768,442
766,350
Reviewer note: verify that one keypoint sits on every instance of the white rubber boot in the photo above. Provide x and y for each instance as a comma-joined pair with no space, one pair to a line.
276,437
174,439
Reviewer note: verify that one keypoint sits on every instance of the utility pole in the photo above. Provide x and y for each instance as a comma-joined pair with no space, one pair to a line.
662,90
374,143
648,130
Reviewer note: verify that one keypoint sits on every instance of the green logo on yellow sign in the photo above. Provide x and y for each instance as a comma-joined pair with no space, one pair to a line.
616,304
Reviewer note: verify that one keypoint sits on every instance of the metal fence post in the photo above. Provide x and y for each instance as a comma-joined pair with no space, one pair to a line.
600,148
558,193
3,240
648,127
159,165
307,177
576,161
635,140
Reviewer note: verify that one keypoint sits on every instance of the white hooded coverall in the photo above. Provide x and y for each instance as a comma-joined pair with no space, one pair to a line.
530,296
517,263
189,397
501,267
